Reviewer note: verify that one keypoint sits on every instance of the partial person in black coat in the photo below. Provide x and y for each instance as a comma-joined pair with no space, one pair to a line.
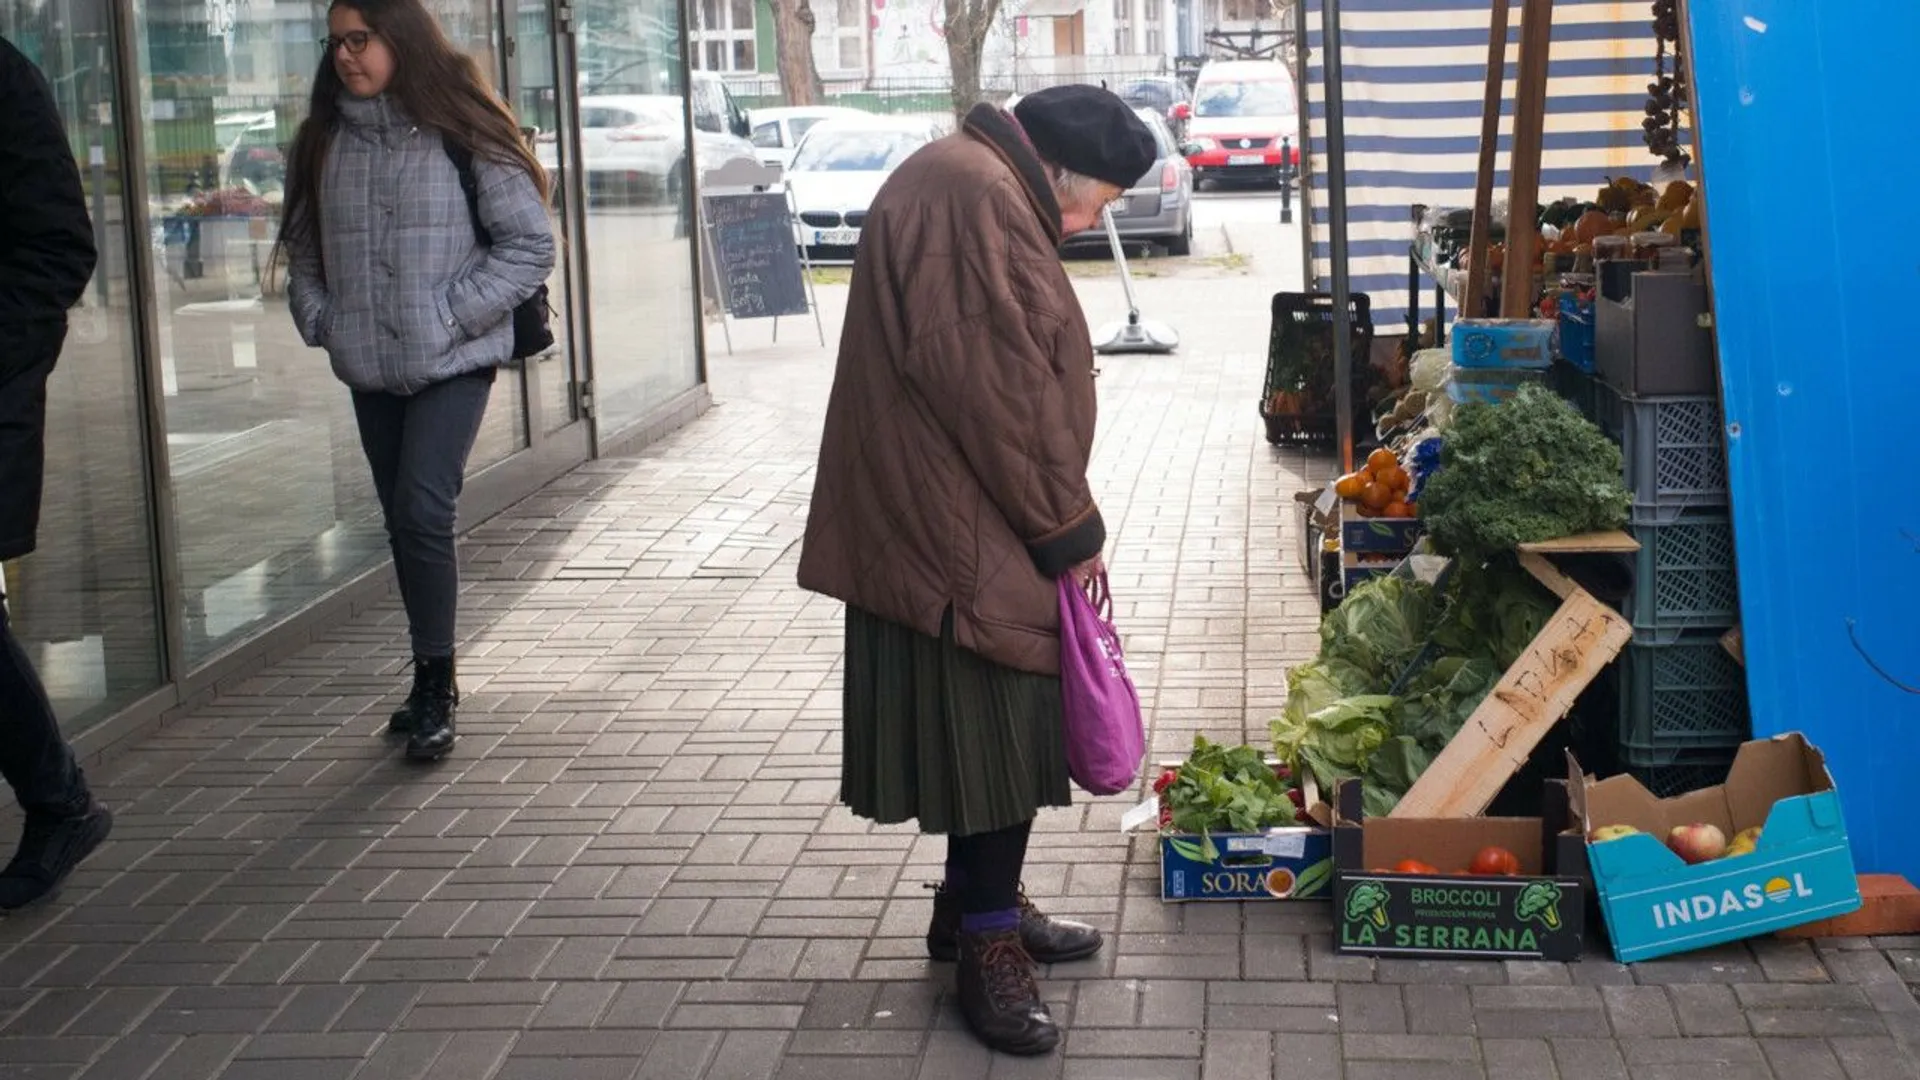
46,259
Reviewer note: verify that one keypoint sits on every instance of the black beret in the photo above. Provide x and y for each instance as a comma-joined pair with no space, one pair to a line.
1088,130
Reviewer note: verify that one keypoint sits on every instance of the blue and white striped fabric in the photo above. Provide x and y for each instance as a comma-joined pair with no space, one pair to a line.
1415,80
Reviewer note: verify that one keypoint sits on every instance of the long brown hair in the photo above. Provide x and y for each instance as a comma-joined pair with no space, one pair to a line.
438,87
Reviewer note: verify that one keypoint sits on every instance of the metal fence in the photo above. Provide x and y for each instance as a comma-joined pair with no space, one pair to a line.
933,93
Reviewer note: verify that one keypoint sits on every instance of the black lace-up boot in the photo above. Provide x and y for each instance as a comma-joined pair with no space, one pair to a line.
432,736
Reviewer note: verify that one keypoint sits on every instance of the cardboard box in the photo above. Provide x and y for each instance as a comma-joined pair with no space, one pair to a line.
1503,343
1293,863
1800,871
1538,915
1378,536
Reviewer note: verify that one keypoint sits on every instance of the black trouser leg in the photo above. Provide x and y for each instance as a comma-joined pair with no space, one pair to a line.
36,761
422,443
990,866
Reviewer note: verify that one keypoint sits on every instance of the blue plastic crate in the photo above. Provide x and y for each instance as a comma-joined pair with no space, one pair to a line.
1503,343
1684,577
1674,450
1685,700
1576,332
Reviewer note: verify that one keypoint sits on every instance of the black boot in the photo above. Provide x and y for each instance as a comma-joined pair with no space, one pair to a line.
50,847
998,995
407,716
432,735
1048,940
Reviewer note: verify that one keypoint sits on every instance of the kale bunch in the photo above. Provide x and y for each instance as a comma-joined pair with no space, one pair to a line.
1519,472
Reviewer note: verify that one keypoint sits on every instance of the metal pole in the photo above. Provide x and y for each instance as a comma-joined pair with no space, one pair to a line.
1337,230
1286,181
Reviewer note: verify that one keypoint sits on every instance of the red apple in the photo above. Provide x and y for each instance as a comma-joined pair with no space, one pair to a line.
1697,843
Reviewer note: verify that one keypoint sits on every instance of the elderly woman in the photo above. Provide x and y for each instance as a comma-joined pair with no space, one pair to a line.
952,494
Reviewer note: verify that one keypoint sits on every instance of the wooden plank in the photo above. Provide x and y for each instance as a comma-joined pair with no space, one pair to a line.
1473,301
1548,574
1600,543
1581,639
1529,133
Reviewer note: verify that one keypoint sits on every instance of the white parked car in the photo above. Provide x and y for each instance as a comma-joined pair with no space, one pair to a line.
778,131
838,168
634,145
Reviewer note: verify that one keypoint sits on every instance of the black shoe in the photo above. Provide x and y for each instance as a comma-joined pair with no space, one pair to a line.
407,716
50,847
998,995
1048,940
431,737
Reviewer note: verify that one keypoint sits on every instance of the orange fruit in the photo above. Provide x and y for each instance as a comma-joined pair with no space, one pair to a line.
1382,460
1351,485
1397,509
1398,479
1376,496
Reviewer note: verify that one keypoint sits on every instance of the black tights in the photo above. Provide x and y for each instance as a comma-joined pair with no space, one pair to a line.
985,868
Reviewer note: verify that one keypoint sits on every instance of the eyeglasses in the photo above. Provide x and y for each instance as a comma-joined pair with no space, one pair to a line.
354,40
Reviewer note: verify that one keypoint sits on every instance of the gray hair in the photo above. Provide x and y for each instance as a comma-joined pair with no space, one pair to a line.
1077,190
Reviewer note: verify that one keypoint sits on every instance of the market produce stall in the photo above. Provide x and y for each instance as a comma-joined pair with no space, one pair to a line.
1536,520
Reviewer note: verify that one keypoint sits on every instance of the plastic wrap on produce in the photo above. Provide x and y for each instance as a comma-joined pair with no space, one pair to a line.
1430,369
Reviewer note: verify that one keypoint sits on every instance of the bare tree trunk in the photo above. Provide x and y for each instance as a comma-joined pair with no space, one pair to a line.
793,25
968,23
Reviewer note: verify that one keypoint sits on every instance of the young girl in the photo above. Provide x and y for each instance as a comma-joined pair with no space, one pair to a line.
388,274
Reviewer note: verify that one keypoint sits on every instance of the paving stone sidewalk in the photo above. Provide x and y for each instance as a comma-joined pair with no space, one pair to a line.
634,865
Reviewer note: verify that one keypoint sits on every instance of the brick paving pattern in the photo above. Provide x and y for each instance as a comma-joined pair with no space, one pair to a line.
634,865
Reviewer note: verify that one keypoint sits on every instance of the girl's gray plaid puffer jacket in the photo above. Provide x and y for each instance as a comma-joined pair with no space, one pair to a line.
400,293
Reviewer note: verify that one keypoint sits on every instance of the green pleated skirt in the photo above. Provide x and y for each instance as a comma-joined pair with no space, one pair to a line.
943,735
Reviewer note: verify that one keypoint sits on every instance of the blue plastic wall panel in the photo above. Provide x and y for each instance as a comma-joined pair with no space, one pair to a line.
1812,224
1414,88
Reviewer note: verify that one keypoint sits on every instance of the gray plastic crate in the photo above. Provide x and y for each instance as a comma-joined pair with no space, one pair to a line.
1684,577
1674,450
1684,698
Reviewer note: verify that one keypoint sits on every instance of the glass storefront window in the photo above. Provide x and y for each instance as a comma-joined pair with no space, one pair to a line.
85,603
274,504
639,203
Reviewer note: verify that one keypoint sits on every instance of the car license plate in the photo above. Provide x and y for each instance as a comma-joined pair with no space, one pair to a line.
1246,159
837,237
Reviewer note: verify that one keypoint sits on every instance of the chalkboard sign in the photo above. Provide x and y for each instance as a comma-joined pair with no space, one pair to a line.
754,253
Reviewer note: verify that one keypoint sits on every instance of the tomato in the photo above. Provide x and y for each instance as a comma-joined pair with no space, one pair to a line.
1413,866
1495,862
1381,460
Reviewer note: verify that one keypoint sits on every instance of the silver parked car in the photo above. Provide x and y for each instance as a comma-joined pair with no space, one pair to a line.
1159,207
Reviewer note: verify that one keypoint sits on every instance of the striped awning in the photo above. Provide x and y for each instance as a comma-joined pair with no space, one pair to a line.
1414,79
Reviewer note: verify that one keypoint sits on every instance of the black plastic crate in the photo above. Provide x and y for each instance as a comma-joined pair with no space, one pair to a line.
1297,400
1684,698
1680,777
1674,450
1579,387
1684,577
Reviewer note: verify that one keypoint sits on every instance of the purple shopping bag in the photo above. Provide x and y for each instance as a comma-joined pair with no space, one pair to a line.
1106,738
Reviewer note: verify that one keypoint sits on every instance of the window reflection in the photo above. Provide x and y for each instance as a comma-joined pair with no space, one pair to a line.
273,501
84,603
638,204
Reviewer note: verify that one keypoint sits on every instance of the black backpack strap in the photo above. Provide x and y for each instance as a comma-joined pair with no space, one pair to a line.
462,159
